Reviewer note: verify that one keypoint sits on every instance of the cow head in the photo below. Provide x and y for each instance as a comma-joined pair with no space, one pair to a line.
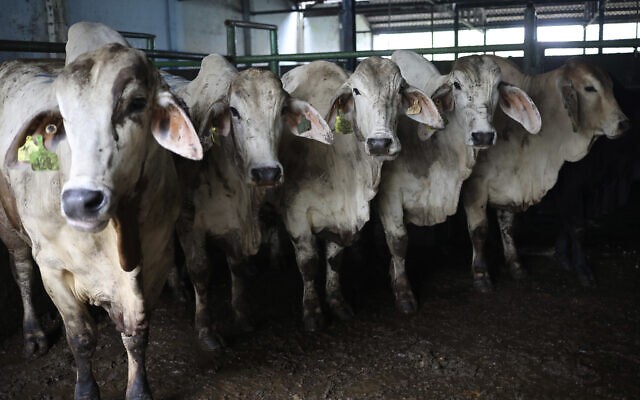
470,94
587,95
115,109
373,99
251,119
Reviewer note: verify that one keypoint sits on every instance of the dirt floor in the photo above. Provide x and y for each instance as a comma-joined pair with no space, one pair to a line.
545,338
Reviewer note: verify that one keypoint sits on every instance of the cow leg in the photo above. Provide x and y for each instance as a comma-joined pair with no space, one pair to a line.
562,245
576,234
337,304
80,330
475,206
505,220
137,385
35,340
193,245
238,295
397,240
307,259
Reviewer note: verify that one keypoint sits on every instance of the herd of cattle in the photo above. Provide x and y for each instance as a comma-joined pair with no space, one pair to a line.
90,191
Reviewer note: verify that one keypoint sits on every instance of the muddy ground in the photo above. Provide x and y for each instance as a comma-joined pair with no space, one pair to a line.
545,338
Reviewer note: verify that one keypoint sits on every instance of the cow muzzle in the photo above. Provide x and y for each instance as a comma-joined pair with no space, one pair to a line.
483,139
86,209
266,176
379,146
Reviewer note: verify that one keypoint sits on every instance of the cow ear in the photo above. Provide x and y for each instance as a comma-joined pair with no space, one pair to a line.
172,128
518,105
48,123
569,100
301,119
419,107
342,102
217,122
443,98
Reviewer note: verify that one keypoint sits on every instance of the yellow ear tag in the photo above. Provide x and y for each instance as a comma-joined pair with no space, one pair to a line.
415,108
26,149
214,136
42,159
342,125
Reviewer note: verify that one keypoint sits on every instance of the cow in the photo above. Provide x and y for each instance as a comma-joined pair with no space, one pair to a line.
328,189
245,113
577,106
98,195
422,185
12,234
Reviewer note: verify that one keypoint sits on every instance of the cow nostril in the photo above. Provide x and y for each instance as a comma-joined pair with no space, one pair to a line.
266,175
624,125
379,146
483,138
83,203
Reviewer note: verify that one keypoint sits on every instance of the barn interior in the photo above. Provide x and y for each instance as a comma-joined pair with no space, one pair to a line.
562,332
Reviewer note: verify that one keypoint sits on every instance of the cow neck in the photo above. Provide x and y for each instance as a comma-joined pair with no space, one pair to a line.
556,141
365,167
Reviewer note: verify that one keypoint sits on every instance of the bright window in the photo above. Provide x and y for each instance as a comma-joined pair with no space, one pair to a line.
390,41
564,33
513,53
470,37
619,31
505,36
562,52
592,32
443,39
443,57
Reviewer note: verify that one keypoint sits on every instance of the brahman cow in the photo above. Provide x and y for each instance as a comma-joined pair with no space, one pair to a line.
422,186
81,148
577,106
244,113
327,191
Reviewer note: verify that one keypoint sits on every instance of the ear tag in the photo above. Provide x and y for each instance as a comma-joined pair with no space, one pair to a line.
342,125
415,108
304,125
51,129
213,134
43,159
26,149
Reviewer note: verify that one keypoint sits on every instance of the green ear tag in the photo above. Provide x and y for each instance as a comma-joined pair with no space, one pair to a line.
304,124
26,149
342,125
214,136
43,159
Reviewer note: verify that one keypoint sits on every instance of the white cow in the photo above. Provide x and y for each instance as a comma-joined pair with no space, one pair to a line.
577,106
327,191
101,219
246,112
422,186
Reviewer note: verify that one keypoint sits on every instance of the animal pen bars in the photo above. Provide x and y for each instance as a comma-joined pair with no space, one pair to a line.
532,49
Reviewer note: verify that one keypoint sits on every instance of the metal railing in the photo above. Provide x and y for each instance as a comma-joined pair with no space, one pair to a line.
273,39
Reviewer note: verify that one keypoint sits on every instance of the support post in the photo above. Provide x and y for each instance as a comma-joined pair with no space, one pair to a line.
601,5
231,41
348,32
456,26
273,41
530,39
246,16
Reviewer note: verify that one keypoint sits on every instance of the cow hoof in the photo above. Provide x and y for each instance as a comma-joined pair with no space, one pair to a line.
35,344
342,311
407,306
210,340
483,285
314,322
87,391
518,272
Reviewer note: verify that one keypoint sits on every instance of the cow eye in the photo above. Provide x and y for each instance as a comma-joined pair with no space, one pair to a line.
356,92
456,85
590,89
234,112
137,104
